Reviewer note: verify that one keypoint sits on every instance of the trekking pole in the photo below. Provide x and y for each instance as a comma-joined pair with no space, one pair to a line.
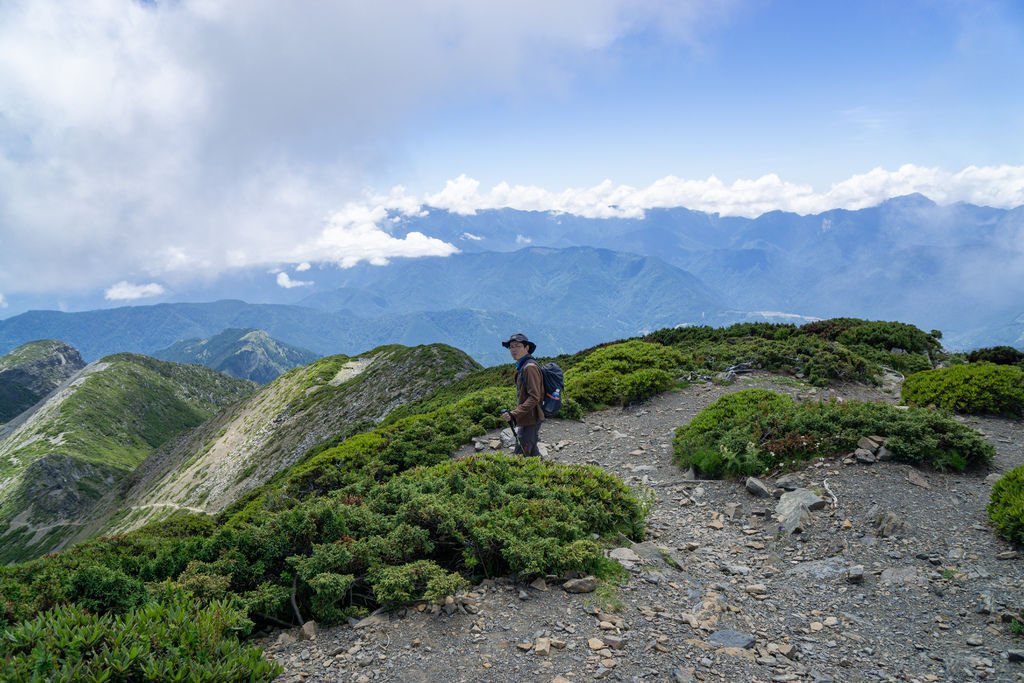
515,435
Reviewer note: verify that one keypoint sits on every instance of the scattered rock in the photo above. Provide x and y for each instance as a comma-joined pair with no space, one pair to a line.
886,522
758,488
730,638
587,584
917,480
794,509
308,631
790,482
624,555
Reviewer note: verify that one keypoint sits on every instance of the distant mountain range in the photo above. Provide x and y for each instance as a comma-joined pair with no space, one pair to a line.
581,281
245,354
60,456
566,299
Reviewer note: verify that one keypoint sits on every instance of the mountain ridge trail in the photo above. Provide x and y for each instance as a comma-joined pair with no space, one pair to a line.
715,592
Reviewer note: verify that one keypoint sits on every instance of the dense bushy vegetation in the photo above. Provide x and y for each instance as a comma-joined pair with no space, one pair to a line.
974,388
384,517
756,431
167,639
841,349
620,374
1006,506
1000,355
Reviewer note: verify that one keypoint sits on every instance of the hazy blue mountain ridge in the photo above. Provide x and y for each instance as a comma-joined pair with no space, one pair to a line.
958,268
244,353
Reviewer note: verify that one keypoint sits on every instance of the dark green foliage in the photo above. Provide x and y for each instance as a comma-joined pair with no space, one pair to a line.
170,639
756,431
621,374
840,349
1006,506
976,388
809,357
364,459
1000,355
98,589
885,336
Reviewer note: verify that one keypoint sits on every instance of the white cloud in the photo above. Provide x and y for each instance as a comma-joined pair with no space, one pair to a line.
3,301
471,236
302,267
126,291
353,234
521,239
996,186
284,281
219,133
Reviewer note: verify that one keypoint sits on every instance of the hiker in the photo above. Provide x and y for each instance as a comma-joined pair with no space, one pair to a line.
528,414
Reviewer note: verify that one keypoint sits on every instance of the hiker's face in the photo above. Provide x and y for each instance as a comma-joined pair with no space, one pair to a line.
517,349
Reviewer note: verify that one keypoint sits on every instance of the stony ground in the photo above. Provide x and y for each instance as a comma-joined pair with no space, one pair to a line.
897,578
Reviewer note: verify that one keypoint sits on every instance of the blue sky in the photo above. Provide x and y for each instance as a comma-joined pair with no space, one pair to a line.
813,91
144,145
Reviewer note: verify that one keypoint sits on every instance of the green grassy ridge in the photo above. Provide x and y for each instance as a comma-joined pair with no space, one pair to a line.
307,408
31,371
106,425
30,352
118,415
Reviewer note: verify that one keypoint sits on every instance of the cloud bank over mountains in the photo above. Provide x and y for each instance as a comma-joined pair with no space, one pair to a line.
149,143
1000,187
158,139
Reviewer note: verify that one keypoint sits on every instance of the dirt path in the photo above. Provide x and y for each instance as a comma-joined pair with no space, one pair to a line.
715,593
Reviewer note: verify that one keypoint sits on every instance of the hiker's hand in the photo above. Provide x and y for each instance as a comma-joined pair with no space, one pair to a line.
506,416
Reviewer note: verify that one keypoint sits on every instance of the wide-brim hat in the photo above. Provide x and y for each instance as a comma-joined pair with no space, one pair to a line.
521,338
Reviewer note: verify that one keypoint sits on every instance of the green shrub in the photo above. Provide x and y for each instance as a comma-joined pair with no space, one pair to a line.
626,357
756,431
98,589
172,639
620,374
804,356
1000,355
1006,506
980,389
